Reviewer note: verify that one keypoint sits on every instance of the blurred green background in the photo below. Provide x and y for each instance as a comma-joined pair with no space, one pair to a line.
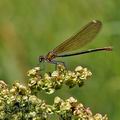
31,28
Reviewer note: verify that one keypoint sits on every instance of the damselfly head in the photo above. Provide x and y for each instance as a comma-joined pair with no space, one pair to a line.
41,58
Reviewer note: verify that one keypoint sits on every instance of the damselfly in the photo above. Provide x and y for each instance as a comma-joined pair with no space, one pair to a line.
84,36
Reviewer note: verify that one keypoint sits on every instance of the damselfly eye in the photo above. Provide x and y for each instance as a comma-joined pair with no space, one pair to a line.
41,58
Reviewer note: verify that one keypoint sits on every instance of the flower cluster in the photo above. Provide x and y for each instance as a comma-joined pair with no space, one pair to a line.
73,110
50,82
21,103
